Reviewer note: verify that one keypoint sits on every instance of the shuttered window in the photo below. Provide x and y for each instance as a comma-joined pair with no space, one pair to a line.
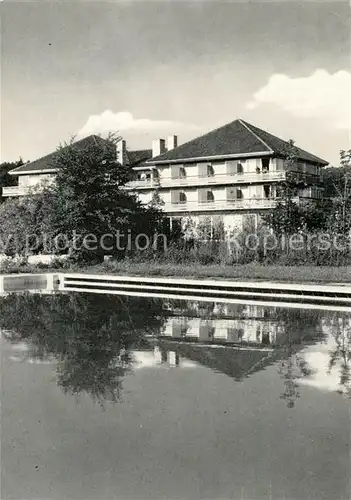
202,195
205,196
232,167
174,197
234,193
240,168
210,171
178,197
202,169
182,197
235,167
177,172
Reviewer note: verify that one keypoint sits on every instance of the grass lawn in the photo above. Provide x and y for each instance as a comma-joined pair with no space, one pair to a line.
248,272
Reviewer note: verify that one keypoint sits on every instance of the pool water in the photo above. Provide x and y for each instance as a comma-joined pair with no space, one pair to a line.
108,397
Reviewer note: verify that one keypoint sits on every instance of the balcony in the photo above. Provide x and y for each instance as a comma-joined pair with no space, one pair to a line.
16,190
143,184
222,205
218,179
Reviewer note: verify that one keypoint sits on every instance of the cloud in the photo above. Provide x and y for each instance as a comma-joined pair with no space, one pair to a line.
124,121
320,95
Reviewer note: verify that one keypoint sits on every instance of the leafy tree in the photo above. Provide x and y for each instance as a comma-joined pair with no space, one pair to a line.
286,217
316,215
26,224
90,200
90,338
5,178
340,215
86,212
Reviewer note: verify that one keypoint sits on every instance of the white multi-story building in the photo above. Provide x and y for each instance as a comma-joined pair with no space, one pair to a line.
229,175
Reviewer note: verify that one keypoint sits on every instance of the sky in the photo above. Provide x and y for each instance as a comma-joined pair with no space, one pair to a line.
148,69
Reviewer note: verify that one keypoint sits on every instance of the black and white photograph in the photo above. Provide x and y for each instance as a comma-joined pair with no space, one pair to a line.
175,250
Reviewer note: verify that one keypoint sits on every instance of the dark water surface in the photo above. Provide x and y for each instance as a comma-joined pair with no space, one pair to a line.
107,397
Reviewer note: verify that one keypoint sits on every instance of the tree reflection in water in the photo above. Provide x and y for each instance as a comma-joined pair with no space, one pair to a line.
334,329
340,353
89,336
301,328
92,338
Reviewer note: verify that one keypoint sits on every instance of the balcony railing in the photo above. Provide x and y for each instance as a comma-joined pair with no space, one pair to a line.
197,180
16,190
240,204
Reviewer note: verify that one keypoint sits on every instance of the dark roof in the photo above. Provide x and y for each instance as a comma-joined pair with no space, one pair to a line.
236,363
136,158
235,138
45,162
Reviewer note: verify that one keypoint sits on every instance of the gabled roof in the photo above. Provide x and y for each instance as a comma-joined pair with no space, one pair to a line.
234,139
136,158
234,362
44,164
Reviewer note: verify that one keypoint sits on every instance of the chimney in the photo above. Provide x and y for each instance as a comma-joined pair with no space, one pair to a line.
158,147
172,142
121,152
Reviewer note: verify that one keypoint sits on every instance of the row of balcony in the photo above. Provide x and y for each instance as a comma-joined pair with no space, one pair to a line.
239,204
16,190
197,180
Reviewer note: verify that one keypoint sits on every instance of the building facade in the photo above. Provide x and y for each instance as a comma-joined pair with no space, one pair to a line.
229,176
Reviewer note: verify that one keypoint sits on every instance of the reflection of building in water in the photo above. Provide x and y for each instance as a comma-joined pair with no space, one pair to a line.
159,356
216,309
235,362
249,330
241,310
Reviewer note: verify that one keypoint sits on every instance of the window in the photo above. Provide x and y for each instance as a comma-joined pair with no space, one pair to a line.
234,194
235,167
210,196
205,196
178,172
240,168
178,197
205,170
265,165
182,197
144,176
267,190
210,171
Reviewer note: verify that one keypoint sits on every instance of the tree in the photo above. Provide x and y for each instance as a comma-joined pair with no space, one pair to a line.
90,199
5,178
87,212
89,338
340,216
26,224
286,217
